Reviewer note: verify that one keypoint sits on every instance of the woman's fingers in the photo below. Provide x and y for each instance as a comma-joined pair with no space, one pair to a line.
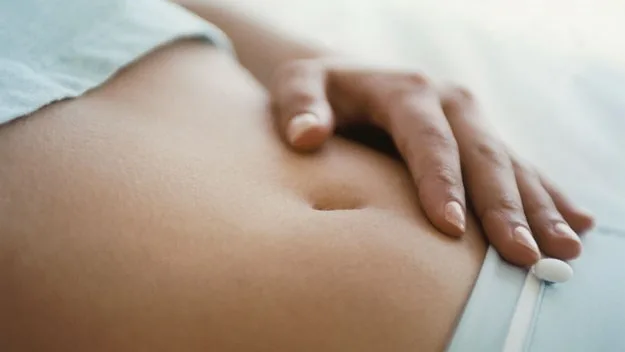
579,219
412,114
405,105
436,137
490,180
555,237
304,116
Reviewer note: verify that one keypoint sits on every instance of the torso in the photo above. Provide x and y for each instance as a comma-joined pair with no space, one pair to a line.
162,212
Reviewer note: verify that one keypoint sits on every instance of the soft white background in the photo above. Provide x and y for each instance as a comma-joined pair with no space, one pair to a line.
550,73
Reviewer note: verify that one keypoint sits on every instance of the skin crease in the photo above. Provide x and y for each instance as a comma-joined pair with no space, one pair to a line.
161,212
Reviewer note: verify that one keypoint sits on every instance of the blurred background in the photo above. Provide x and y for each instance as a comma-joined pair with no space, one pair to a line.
584,27
549,73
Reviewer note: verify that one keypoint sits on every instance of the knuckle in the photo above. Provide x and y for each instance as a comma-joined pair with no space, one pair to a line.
508,205
430,146
503,207
524,169
492,153
409,85
458,98
436,137
418,80
300,98
443,175
462,95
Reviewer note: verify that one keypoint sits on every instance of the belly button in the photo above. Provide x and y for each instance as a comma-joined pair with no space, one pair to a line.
334,202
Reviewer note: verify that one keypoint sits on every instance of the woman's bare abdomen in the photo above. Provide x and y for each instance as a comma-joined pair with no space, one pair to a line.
161,212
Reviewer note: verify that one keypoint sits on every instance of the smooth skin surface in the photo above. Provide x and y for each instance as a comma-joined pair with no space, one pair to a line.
456,162
448,148
162,212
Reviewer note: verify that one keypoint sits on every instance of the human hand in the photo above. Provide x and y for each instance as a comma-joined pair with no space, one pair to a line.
448,149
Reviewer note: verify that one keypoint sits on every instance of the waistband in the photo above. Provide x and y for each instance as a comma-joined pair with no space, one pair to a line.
511,310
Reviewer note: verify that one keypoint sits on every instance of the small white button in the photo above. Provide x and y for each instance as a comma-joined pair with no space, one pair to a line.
552,270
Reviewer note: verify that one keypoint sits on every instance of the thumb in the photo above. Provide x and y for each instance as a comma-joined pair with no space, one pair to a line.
304,116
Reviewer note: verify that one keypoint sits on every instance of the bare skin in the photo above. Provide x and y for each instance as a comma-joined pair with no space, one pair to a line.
162,212
454,159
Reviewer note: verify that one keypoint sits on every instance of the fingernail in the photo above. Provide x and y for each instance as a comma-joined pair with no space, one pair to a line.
565,230
300,124
455,215
525,238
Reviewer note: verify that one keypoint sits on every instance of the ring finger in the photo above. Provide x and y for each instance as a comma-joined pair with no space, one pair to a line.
554,235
